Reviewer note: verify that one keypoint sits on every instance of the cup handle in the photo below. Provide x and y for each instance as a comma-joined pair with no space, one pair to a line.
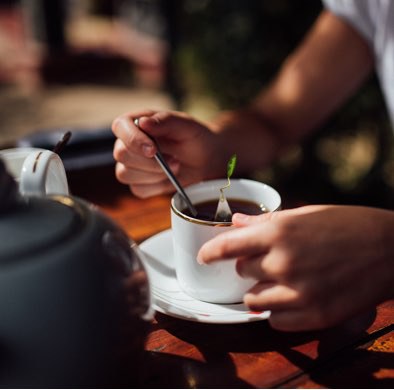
43,173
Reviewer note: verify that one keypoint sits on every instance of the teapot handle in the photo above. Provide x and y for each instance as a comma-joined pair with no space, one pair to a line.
43,174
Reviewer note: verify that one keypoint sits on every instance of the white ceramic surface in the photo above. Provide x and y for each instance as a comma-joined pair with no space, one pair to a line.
37,171
219,281
168,298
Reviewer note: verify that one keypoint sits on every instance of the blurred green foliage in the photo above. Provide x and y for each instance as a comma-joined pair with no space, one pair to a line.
234,47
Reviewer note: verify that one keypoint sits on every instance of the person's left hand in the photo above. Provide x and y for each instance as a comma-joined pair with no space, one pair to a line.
315,266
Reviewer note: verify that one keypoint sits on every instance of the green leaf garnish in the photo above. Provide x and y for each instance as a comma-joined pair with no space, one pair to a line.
231,165
230,170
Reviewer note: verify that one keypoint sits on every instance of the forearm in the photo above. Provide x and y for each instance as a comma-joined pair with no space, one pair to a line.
313,82
316,79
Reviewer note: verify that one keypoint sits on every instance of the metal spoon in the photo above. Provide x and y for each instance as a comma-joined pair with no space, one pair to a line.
160,159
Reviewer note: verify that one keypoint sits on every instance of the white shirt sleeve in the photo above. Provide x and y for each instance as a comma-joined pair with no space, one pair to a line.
360,14
374,20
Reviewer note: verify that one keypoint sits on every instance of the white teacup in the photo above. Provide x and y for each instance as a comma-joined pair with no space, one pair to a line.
219,281
37,171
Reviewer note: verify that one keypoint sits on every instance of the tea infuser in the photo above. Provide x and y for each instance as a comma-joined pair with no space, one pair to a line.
223,211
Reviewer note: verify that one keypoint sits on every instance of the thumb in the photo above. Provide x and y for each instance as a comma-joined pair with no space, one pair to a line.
240,220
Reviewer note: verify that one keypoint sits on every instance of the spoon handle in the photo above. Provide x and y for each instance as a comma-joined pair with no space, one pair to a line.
163,164
174,181
62,143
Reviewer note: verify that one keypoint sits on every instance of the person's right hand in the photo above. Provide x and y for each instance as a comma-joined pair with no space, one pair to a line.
315,266
188,147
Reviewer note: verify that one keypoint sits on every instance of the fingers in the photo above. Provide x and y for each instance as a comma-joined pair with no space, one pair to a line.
133,151
272,296
133,160
182,136
168,126
280,250
134,169
252,267
134,140
240,220
288,310
247,241
171,124
186,144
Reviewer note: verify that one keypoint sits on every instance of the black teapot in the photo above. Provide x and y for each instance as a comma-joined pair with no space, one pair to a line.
74,296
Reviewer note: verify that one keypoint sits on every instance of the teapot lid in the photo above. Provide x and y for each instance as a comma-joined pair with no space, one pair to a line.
30,225
36,224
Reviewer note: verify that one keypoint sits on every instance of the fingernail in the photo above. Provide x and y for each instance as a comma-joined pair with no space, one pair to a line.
115,123
200,259
148,150
119,122
141,119
240,217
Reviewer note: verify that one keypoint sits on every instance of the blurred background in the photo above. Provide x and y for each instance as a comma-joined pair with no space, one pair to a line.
77,64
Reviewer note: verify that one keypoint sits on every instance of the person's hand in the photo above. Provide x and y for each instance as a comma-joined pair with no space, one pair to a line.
188,146
315,266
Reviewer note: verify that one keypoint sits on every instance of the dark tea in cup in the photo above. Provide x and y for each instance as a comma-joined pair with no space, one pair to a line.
206,210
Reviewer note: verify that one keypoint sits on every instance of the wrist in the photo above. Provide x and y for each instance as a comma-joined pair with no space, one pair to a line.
246,133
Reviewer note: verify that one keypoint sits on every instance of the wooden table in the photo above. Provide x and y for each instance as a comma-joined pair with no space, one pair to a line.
179,353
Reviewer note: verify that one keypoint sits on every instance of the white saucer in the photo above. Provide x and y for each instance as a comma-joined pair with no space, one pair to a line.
170,300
